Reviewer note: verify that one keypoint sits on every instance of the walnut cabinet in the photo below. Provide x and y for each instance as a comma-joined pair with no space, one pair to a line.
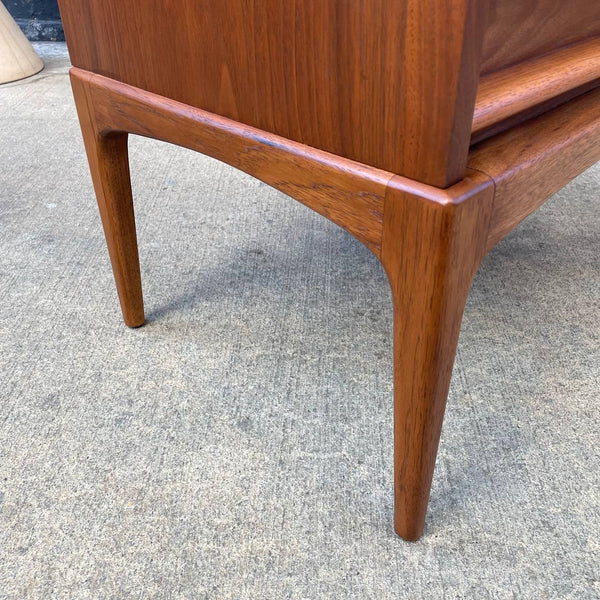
428,129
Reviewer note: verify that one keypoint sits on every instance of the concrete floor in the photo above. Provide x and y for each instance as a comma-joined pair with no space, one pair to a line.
240,444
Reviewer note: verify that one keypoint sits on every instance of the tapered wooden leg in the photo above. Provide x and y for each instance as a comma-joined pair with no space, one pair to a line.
109,165
430,251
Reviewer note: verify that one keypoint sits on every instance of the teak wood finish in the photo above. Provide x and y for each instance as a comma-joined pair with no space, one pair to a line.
364,111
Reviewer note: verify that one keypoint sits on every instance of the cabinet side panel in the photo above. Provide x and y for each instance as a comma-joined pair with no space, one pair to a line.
385,82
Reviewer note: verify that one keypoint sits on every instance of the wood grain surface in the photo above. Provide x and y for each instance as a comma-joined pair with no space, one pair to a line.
522,29
348,193
431,251
534,160
375,81
109,166
516,89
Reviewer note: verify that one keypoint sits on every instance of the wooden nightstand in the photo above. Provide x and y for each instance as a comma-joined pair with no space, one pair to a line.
428,129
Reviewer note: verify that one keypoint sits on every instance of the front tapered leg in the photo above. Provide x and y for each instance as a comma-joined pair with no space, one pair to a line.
430,251
109,166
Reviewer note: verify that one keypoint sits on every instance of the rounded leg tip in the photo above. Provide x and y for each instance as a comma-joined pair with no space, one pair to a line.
133,314
135,325
135,322
409,530
408,535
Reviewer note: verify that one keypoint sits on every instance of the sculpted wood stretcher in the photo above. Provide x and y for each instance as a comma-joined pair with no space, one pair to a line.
428,129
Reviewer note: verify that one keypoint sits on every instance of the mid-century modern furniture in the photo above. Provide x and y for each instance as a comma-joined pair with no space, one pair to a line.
428,129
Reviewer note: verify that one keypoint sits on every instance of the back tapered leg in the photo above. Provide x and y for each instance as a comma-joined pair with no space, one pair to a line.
109,166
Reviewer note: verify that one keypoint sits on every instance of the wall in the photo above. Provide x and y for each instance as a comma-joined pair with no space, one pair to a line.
39,19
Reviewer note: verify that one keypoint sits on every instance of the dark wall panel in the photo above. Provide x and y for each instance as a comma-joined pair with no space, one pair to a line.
39,19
